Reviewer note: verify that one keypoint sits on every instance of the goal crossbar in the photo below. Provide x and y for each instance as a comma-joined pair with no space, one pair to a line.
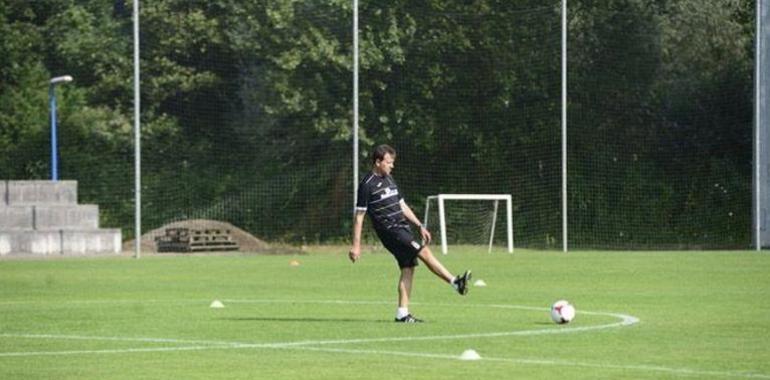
478,197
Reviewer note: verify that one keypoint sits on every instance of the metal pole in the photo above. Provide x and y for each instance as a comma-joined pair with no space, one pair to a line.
758,135
355,103
54,144
564,123
492,230
509,221
426,219
442,223
54,148
137,142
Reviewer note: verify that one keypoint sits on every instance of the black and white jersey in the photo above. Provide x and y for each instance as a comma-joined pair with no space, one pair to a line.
379,197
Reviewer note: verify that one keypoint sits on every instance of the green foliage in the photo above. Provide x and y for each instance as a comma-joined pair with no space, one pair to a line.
652,84
244,98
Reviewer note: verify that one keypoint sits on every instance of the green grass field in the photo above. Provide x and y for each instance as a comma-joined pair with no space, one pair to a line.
700,315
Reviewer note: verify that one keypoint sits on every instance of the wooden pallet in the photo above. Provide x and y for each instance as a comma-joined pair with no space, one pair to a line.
196,240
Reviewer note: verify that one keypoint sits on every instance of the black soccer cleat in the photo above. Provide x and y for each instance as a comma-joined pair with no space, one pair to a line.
409,318
462,282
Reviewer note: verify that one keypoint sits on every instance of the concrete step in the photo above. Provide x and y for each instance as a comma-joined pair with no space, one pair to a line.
25,193
91,241
60,242
43,218
17,217
30,242
66,217
49,217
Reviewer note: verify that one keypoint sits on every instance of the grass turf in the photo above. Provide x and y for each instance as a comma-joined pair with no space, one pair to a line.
701,315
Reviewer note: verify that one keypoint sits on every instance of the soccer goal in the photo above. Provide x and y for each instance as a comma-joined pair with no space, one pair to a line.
477,212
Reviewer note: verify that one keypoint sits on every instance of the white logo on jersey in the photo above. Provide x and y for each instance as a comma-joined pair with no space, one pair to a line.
415,245
389,193
379,184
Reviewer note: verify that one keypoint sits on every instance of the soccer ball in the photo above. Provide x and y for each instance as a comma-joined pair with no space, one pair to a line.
562,312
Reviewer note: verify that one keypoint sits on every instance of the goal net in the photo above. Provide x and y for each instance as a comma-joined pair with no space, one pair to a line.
470,219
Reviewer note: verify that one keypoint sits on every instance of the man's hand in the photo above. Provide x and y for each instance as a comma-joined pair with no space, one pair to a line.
426,238
354,254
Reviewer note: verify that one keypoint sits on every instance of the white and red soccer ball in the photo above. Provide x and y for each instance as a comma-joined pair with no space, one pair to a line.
562,312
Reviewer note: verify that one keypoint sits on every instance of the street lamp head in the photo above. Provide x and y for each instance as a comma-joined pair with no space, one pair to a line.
61,79
54,148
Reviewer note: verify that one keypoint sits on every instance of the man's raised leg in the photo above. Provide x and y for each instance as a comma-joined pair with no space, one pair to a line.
435,266
460,283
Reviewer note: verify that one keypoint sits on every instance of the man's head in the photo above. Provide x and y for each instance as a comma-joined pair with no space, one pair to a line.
383,158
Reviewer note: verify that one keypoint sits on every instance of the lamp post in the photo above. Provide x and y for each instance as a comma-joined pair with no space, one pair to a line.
52,101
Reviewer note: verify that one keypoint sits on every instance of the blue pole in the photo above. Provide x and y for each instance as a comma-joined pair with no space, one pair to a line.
54,154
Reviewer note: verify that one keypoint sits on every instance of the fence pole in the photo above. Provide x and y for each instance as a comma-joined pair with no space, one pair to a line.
761,123
355,102
564,123
137,140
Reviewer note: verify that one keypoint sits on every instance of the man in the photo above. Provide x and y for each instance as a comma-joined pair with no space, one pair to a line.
379,197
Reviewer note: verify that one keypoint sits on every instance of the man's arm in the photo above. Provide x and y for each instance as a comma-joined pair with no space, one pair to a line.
409,214
358,224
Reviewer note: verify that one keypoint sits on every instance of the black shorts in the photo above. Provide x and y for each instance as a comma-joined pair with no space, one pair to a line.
402,244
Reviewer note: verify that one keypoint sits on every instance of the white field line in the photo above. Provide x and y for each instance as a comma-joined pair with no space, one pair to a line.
106,351
115,338
625,320
545,362
292,346
97,302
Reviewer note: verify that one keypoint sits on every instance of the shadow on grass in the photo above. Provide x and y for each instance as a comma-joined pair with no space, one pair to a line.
308,320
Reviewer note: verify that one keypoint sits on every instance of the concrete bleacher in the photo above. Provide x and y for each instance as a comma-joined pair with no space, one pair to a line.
44,218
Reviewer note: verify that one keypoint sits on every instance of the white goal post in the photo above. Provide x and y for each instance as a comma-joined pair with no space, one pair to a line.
476,197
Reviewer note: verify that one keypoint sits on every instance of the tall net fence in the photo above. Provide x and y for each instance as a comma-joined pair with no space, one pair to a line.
660,127
247,110
257,130
469,97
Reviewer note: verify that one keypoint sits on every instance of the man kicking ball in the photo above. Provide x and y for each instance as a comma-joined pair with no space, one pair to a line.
379,197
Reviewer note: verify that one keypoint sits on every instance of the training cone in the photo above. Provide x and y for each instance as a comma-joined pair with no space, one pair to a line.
294,263
480,283
217,304
470,355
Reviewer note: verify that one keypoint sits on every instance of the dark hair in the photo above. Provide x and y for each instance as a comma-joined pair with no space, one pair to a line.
380,152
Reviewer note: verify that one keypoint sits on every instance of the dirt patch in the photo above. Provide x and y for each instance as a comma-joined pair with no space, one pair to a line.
246,241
